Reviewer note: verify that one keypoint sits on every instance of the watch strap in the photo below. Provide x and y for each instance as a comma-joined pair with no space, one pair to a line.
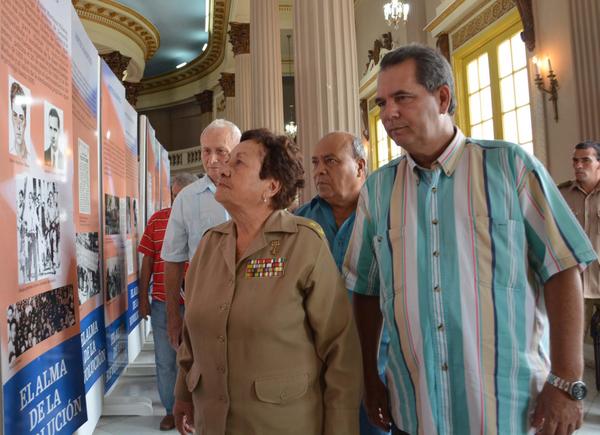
558,382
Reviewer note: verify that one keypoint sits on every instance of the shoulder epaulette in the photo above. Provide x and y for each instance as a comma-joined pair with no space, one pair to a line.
565,184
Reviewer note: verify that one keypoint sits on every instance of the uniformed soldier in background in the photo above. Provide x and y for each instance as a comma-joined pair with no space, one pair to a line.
583,196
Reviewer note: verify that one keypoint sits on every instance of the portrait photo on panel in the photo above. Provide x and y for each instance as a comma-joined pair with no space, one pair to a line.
54,147
111,214
115,276
19,114
33,320
38,228
88,265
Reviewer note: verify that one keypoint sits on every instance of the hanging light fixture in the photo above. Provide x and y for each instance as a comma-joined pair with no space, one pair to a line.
395,11
291,129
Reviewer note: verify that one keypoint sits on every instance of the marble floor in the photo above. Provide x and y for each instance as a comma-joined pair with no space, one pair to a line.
147,425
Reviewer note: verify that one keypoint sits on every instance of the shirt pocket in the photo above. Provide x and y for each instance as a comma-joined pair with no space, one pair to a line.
500,252
192,378
282,389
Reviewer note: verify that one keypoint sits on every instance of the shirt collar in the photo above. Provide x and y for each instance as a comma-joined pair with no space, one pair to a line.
575,186
205,183
449,158
280,221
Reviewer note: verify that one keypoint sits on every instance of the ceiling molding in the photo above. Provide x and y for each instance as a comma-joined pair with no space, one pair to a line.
116,16
204,64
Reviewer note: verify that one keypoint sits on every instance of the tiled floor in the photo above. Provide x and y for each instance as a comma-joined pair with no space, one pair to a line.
147,425
144,386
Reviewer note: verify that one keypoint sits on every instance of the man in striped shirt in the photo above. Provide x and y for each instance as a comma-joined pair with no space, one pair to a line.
153,267
466,249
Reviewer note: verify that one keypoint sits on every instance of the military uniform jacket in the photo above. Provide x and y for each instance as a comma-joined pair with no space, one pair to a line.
269,345
586,208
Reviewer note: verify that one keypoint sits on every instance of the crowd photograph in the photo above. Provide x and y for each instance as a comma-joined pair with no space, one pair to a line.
33,320
38,229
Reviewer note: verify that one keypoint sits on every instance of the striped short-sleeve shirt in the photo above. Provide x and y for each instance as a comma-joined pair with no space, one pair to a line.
151,244
458,256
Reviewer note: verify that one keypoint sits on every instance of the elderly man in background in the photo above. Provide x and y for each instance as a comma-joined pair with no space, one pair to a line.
194,211
469,251
339,170
583,196
153,267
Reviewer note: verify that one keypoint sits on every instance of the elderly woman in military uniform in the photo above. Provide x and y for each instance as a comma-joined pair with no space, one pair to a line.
269,345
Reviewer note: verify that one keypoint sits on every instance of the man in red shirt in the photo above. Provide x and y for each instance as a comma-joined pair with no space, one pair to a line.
154,267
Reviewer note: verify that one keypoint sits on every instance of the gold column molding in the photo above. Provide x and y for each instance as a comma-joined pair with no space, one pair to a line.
239,36
116,16
202,65
490,14
227,82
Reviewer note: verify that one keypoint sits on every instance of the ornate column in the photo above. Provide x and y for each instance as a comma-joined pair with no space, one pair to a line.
326,83
267,81
205,99
227,82
239,36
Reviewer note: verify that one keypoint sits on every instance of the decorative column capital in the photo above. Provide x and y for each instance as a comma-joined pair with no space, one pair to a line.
116,62
525,9
239,36
131,92
227,82
205,99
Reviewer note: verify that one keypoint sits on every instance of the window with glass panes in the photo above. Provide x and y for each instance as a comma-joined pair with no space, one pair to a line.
496,89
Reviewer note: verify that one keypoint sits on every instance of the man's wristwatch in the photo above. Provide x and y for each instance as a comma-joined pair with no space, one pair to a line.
576,389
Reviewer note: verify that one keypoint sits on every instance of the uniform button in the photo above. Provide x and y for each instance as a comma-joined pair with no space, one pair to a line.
221,339
434,189
231,281
440,327
437,288
445,367
434,221
223,399
283,395
223,307
221,369
436,253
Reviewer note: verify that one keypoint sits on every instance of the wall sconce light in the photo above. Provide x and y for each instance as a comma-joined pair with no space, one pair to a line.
552,88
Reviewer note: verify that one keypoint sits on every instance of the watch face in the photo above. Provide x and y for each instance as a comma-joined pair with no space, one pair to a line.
578,390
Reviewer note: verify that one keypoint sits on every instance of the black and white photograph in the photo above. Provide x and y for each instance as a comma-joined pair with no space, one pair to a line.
88,266
54,153
115,276
38,229
19,114
34,319
111,214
